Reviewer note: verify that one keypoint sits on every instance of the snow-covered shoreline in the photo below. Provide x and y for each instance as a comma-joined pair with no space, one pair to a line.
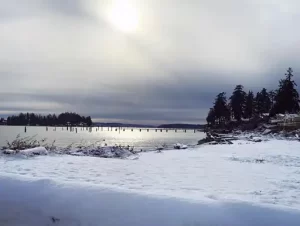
31,147
208,185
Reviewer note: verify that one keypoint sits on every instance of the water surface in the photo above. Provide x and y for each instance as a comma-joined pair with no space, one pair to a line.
139,138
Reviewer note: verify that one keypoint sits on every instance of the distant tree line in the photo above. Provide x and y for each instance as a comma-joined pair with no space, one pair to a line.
48,120
242,105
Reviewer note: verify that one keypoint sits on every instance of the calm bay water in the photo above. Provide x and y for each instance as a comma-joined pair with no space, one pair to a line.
139,139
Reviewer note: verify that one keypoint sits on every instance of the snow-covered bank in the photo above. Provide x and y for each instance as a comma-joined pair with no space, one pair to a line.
44,203
209,185
30,147
101,152
222,172
27,152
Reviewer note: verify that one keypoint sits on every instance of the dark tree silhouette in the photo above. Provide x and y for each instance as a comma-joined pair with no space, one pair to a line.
266,102
262,102
283,100
287,97
211,117
222,112
249,106
237,102
49,120
258,105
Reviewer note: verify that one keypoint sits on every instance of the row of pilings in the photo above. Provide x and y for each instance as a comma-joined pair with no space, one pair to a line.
116,129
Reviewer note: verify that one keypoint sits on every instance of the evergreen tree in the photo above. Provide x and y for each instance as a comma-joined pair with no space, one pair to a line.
263,102
211,117
222,112
272,95
237,102
249,107
287,97
266,102
88,121
258,105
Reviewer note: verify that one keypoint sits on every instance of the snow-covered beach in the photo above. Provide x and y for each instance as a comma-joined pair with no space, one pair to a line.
208,185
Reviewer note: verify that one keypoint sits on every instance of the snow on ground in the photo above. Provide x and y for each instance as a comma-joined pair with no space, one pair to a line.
240,184
44,203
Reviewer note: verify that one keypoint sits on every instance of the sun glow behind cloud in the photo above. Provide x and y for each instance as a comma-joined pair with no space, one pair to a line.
123,15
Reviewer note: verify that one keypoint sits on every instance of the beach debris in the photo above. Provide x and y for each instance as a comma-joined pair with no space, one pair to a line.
30,146
214,138
180,146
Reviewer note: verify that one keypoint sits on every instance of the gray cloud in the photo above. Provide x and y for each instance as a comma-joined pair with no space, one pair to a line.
66,7
65,56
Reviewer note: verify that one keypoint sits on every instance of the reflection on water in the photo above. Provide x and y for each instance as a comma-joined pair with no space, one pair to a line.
139,138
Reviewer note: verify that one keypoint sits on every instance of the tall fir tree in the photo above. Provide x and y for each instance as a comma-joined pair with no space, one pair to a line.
258,104
249,106
287,97
211,117
221,110
262,102
237,102
266,101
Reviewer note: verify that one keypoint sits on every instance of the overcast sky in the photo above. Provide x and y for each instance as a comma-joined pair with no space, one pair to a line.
65,55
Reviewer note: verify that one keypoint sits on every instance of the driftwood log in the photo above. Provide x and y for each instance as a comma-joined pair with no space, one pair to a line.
214,138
